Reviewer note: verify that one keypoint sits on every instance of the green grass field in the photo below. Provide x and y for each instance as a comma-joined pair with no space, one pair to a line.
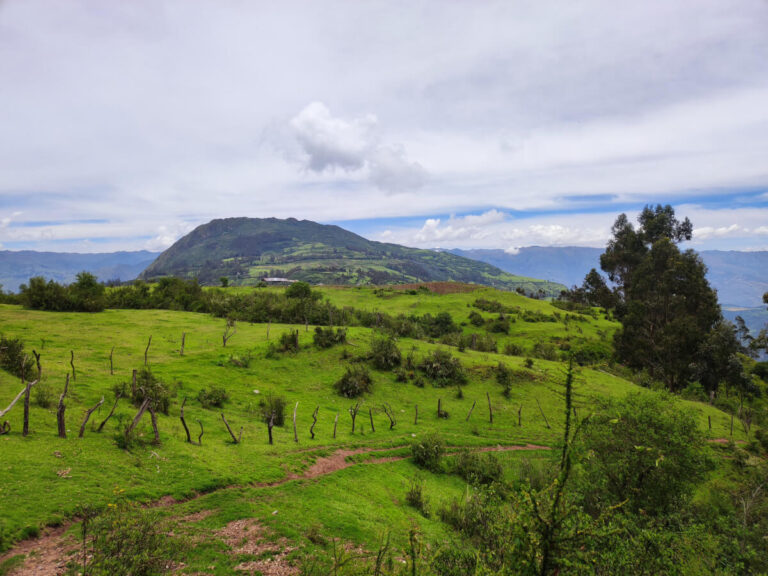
44,478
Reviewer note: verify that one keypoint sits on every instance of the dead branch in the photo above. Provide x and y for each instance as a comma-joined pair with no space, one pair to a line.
542,414
314,421
353,414
111,412
88,415
5,428
235,440
60,411
470,410
13,402
139,414
200,437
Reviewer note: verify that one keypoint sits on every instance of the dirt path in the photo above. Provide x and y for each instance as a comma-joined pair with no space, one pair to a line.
48,554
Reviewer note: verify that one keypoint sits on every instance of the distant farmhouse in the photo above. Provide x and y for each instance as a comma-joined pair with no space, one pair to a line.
278,280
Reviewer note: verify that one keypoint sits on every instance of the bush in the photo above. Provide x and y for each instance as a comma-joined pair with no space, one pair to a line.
272,405
476,319
385,354
443,368
479,469
544,350
326,337
130,540
499,325
12,357
149,386
215,397
428,451
511,349
416,498
241,361
43,395
355,382
289,341
454,561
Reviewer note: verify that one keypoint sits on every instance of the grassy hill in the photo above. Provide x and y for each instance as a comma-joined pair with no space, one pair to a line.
221,495
248,249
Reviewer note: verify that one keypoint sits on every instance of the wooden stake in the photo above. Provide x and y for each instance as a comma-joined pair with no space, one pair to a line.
153,418
370,415
39,368
390,414
146,350
139,414
490,408
519,415
72,363
709,418
111,367
88,415
234,439
133,384
62,427
335,421
183,341
353,414
470,410
270,425
295,433
314,421
184,422
416,416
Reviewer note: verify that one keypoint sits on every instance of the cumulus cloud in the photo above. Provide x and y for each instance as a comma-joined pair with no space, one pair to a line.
329,142
470,227
166,236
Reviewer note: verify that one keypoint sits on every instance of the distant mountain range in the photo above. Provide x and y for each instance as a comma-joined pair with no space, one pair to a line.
17,268
247,249
741,278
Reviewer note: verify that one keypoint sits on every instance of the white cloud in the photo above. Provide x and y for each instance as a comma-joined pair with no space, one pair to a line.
471,227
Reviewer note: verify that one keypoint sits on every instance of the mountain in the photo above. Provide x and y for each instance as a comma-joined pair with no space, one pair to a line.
17,268
248,249
740,278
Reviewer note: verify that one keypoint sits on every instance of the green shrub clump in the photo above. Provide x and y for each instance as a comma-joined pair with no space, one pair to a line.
213,398
12,357
385,355
416,498
270,405
443,369
355,382
327,337
289,341
428,451
479,469
149,386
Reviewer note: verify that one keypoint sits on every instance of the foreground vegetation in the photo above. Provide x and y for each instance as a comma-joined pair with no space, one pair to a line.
629,483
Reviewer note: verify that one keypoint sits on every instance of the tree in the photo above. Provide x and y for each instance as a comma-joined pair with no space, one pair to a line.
87,294
663,299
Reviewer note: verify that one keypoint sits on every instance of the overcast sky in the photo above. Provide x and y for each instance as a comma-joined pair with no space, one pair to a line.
123,125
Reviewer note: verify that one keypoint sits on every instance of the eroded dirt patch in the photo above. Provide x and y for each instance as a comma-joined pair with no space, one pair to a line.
46,555
249,537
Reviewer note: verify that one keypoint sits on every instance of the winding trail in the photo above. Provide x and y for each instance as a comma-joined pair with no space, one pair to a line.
48,554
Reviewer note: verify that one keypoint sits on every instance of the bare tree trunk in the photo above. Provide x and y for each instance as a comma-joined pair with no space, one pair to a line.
139,414
88,415
370,415
335,421
353,414
542,414
61,410
183,341
314,421
270,424
295,433
390,414
111,365
25,430
111,412
72,363
200,437
470,410
146,350
416,417
184,422
235,440
490,408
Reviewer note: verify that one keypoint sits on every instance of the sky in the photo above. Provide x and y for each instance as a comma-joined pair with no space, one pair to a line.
451,124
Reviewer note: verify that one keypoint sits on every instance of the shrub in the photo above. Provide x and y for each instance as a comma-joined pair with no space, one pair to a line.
149,386
443,368
479,469
327,337
499,325
240,361
12,357
215,397
454,561
289,341
476,319
355,382
416,498
272,405
385,354
529,362
43,395
511,349
544,350
130,540
299,290
428,451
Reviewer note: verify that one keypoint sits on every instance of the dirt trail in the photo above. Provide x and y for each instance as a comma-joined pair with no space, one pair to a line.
48,554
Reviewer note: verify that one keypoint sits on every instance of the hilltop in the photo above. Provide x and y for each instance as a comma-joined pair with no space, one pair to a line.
248,249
